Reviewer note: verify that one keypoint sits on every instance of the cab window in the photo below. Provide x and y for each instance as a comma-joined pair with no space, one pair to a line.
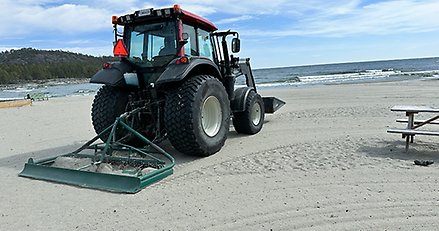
152,44
190,48
204,44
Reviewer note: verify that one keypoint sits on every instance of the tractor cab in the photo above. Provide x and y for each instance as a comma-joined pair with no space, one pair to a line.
152,39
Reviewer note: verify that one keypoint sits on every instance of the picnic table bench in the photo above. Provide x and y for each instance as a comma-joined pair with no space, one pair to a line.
412,125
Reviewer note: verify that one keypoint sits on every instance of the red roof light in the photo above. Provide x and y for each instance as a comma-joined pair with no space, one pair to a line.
177,8
114,19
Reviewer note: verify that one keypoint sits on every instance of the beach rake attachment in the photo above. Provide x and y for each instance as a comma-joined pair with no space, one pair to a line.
110,166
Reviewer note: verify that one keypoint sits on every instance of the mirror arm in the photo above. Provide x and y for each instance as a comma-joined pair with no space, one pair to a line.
181,43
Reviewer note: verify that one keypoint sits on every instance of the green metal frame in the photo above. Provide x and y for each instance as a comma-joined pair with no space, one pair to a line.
131,182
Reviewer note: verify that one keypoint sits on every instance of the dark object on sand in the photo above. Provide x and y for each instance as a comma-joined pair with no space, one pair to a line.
423,162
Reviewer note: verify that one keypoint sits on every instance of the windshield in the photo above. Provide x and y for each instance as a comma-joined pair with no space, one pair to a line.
152,45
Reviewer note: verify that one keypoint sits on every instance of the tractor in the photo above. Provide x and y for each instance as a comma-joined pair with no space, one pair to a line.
176,66
174,80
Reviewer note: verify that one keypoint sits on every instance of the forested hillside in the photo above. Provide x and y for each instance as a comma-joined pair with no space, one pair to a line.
30,64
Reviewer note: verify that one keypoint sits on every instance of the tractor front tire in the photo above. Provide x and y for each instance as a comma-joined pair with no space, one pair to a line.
108,104
197,116
250,121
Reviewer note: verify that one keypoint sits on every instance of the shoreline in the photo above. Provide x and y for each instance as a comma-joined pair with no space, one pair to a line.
45,82
40,87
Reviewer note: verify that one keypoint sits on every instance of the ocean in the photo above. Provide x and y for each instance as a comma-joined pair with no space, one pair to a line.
356,72
296,76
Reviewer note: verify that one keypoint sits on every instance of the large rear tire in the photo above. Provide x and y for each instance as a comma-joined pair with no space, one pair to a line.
108,104
197,116
250,121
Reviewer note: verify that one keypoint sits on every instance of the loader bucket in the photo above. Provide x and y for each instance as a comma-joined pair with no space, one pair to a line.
272,104
109,166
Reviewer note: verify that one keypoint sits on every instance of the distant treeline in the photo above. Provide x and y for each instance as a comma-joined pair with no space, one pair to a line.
29,64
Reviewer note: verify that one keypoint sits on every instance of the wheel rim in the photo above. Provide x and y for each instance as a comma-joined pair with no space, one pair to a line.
255,115
211,116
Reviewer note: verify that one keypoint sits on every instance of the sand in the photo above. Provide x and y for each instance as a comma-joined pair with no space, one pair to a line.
323,162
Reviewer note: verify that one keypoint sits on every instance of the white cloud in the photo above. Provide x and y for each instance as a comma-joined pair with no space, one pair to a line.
24,19
382,18
390,17
30,17
272,7
202,10
235,19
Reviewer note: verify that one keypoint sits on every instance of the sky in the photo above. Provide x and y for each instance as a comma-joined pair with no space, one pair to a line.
275,33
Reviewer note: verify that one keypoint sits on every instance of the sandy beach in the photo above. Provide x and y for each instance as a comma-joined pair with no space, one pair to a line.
323,162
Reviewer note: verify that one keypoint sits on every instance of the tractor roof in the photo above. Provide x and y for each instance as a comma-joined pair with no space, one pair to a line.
154,14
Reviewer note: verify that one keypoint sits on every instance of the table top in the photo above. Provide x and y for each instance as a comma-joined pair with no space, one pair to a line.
414,109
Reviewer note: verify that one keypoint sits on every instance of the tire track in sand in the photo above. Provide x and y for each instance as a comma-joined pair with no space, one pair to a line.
361,215
356,187
336,154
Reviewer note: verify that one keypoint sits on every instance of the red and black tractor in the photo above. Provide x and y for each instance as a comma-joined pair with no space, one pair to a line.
175,68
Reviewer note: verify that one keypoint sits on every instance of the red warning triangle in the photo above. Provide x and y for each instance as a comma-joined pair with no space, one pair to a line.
120,50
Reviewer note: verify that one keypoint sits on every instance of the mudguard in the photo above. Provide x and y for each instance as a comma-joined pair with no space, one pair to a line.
175,72
238,102
113,76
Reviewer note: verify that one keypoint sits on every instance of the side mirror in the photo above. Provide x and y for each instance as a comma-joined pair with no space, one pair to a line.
185,36
181,43
236,45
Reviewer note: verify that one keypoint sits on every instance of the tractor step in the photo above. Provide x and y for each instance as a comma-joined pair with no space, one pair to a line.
109,166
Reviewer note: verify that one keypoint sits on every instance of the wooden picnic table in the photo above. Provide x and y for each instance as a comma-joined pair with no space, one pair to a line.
412,125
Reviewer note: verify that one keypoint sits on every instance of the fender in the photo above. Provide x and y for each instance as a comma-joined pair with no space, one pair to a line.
176,72
113,76
238,102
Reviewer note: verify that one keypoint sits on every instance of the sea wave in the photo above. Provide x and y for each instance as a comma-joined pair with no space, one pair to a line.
52,89
350,77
